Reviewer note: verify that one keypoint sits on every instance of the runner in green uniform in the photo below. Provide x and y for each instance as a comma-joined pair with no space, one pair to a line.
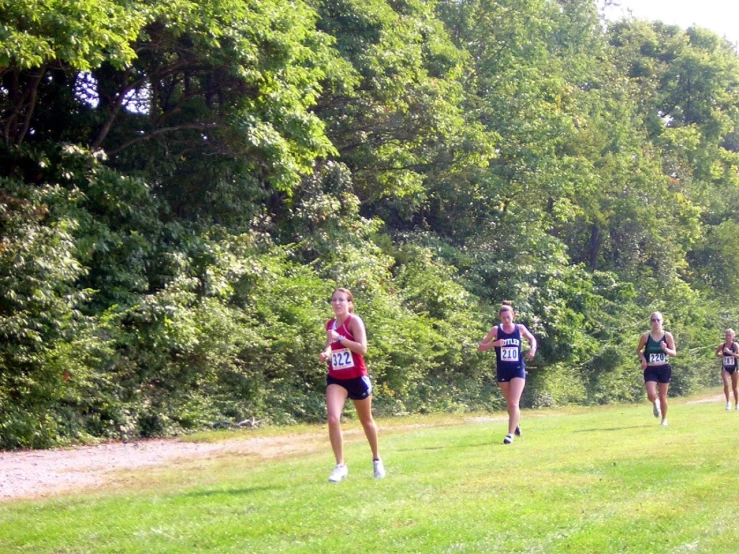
655,349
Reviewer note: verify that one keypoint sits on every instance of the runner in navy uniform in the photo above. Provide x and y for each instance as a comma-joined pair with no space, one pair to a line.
729,351
655,349
510,369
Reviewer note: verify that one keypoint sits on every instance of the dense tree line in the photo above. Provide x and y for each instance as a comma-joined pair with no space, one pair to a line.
183,184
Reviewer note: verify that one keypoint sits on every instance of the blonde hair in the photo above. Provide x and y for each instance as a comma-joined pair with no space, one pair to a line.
349,297
731,332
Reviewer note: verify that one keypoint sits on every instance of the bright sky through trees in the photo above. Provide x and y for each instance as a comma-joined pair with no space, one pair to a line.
720,16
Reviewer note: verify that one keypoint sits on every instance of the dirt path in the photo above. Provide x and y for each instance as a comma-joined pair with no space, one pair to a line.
717,398
40,473
43,473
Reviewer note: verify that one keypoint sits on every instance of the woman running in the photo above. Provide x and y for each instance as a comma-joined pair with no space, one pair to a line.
729,351
510,368
346,344
655,349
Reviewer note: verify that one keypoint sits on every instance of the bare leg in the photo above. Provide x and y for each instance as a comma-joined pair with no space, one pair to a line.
512,391
725,378
651,387
335,399
364,411
663,398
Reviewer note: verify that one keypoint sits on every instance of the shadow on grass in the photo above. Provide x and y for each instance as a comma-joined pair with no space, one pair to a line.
228,492
447,447
599,429
420,448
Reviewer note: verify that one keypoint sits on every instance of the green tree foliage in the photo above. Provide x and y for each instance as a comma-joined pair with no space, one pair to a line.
38,315
405,118
183,184
686,87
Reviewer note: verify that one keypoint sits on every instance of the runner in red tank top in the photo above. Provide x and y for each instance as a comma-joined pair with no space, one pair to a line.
344,363
346,344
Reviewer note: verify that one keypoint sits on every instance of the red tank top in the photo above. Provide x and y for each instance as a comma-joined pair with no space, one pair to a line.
343,363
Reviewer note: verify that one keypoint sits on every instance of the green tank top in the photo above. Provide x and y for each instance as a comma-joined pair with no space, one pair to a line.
653,351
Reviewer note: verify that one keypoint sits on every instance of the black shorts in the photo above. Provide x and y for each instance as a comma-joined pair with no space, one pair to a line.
504,375
730,370
358,388
658,373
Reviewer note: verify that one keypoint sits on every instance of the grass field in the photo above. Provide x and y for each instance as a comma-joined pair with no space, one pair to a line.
606,479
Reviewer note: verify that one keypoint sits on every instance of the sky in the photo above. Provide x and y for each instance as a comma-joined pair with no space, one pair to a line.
720,16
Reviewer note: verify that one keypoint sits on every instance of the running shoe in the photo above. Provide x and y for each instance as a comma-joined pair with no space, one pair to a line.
728,406
664,423
655,409
508,439
378,468
518,430
340,472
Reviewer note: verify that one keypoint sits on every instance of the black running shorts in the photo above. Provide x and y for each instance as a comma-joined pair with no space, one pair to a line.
658,373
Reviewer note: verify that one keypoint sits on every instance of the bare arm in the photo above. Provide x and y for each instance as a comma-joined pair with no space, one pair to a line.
529,337
669,348
640,350
326,352
488,343
640,347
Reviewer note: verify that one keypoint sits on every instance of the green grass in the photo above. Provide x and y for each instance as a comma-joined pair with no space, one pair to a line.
606,479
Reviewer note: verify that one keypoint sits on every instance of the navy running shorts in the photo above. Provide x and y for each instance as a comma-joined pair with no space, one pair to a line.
504,375
358,388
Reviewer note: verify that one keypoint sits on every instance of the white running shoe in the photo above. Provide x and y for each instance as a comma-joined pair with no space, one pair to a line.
340,472
655,408
728,406
378,468
508,439
737,406
664,422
